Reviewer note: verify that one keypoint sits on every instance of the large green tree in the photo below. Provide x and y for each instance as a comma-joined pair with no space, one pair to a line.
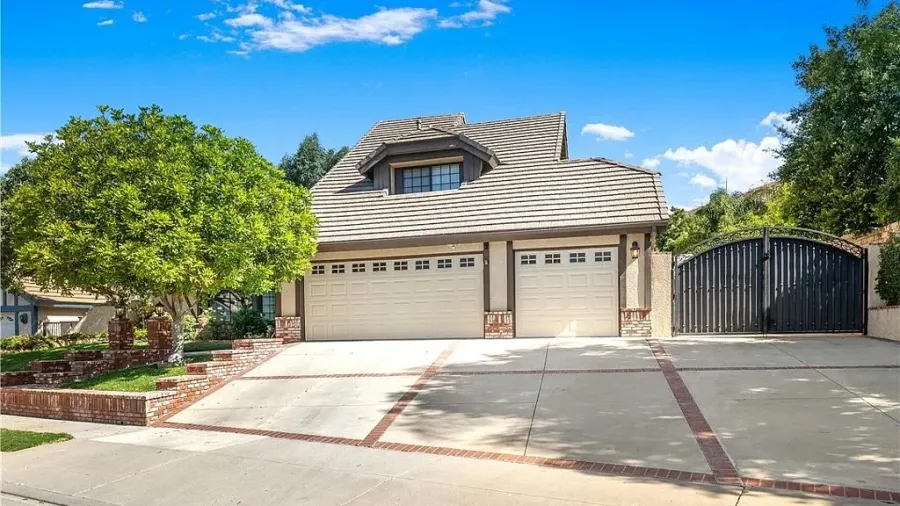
841,158
146,205
310,162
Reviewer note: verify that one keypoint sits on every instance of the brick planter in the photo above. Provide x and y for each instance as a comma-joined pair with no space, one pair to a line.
142,408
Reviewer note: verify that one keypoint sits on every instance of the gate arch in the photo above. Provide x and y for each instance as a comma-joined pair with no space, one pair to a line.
770,279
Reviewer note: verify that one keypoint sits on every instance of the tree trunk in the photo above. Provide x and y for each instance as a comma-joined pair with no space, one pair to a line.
177,355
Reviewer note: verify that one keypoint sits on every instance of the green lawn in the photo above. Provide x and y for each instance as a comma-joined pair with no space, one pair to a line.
15,440
22,361
206,346
137,379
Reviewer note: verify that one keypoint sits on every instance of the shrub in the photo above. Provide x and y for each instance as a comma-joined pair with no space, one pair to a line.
888,282
249,323
189,327
217,330
25,343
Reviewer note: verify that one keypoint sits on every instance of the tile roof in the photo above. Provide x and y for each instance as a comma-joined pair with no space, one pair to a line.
58,297
534,187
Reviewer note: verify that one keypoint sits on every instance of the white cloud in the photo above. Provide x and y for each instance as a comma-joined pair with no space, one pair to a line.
484,14
650,163
214,37
778,119
16,142
702,201
105,22
683,174
251,19
739,163
386,26
139,17
628,154
703,181
239,53
206,16
183,36
285,4
103,4
607,132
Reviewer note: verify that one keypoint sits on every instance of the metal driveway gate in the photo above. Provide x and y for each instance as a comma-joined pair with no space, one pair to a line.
777,279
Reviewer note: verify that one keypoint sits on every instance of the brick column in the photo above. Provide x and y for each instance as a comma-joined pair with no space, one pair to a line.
635,322
121,334
498,325
159,335
289,329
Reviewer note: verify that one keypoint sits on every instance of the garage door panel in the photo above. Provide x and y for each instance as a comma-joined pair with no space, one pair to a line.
363,303
567,292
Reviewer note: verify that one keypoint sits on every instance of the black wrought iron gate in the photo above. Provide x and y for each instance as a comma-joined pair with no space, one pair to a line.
778,280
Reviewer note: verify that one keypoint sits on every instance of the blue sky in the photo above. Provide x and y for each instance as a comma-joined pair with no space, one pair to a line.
682,87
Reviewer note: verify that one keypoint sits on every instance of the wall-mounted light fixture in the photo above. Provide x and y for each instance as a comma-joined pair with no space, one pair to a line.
159,310
635,250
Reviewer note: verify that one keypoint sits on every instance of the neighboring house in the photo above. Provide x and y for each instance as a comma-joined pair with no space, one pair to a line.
37,311
434,227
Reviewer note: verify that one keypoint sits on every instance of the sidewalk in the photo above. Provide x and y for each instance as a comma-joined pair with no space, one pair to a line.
112,465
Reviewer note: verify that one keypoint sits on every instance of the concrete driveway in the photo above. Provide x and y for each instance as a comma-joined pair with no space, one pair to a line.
814,413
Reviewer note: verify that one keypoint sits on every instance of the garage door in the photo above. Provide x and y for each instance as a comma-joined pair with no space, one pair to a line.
398,298
569,292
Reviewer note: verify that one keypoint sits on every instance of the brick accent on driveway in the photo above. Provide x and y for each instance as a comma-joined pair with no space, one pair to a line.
723,469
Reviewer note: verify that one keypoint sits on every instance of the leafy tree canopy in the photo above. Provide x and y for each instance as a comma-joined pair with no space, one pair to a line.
765,206
843,157
310,162
148,205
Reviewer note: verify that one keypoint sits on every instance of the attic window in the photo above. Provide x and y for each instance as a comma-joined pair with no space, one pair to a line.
434,178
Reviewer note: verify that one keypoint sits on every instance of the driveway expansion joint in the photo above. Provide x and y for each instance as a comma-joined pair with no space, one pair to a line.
391,416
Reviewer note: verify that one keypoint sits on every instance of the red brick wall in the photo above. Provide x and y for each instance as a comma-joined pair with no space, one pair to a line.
635,322
498,325
172,394
289,328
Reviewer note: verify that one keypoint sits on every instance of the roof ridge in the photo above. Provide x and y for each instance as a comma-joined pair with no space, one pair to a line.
397,120
560,135
517,118
624,165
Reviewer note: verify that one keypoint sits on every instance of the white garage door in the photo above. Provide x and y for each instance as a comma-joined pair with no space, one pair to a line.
398,298
567,292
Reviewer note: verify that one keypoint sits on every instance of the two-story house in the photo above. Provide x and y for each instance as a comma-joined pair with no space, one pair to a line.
434,227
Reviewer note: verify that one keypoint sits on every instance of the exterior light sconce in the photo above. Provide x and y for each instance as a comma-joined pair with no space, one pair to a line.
635,250
158,309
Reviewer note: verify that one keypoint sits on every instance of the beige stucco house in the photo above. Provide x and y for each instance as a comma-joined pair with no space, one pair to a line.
35,310
435,227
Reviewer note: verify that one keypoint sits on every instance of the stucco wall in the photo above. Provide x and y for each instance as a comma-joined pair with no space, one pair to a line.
567,242
884,322
634,270
661,294
448,249
497,269
288,299
874,263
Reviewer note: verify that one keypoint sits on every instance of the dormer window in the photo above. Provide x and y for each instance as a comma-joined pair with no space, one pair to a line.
434,178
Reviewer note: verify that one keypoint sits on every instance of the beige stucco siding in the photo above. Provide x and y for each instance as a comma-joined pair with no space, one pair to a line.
634,273
567,242
288,299
497,269
45,311
399,252
661,294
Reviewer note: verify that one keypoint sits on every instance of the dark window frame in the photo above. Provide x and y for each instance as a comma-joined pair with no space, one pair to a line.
422,179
